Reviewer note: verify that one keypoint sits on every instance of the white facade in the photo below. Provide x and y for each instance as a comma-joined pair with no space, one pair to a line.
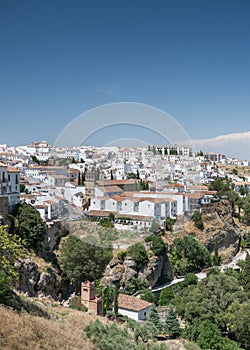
135,315
144,206
10,184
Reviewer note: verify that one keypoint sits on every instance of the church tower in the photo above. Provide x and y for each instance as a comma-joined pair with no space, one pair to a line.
90,181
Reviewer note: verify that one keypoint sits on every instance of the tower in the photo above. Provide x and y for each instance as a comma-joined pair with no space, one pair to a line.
90,299
90,181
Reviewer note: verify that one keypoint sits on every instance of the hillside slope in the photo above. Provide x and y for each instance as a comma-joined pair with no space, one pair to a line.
24,331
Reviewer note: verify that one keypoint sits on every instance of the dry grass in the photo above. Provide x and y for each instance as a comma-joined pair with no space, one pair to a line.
242,170
24,332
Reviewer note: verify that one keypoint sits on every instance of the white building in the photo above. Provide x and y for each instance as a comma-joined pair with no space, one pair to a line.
10,184
133,307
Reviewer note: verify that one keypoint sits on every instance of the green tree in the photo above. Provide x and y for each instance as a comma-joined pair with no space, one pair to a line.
209,300
246,209
116,301
154,319
81,261
246,274
216,258
190,279
11,252
147,295
139,254
188,255
22,188
169,224
208,336
238,322
134,285
157,244
111,175
197,219
171,325
31,227
79,179
155,225
35,160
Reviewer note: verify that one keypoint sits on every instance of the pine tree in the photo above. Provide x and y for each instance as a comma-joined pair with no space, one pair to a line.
79,179
172,326
154,318
246,274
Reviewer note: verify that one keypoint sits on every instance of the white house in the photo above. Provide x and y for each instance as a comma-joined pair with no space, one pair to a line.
10,184
133,307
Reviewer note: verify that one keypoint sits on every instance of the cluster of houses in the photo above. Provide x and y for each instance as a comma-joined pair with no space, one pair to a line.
104,180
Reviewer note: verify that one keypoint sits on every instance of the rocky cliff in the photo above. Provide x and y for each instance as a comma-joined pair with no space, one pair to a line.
39,275
118,273
219,225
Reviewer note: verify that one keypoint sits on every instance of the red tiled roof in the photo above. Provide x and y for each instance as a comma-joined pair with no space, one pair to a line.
115,182
100,213
132,303
12,170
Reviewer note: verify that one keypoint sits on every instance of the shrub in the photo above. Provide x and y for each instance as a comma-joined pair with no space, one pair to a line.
75,303
122,255
139,254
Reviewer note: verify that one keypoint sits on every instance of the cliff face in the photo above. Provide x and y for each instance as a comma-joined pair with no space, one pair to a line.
40,275
118,273
34,279
218,225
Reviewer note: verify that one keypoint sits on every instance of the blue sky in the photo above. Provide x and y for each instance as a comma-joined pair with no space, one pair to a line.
60,58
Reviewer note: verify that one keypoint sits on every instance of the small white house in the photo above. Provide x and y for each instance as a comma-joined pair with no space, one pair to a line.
133,307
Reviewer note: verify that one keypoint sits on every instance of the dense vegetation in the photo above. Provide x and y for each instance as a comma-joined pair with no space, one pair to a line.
30,226
134,335
81,261
139,254
215,310
11,251
157,245
188,255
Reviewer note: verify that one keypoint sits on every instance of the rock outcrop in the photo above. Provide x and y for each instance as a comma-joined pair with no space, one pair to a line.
118,273
219,226
34,280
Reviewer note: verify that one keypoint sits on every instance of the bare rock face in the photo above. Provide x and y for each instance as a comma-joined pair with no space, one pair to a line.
117,274
55,231
218,226
48,283
28,277
34,281
157,267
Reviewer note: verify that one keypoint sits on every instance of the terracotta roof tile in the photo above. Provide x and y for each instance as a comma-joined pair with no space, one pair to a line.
132,303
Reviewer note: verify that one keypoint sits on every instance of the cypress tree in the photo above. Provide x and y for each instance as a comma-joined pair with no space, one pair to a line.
79,179
83,178
216,257
116,301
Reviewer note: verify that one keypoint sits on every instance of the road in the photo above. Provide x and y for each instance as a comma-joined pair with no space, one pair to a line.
203,274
